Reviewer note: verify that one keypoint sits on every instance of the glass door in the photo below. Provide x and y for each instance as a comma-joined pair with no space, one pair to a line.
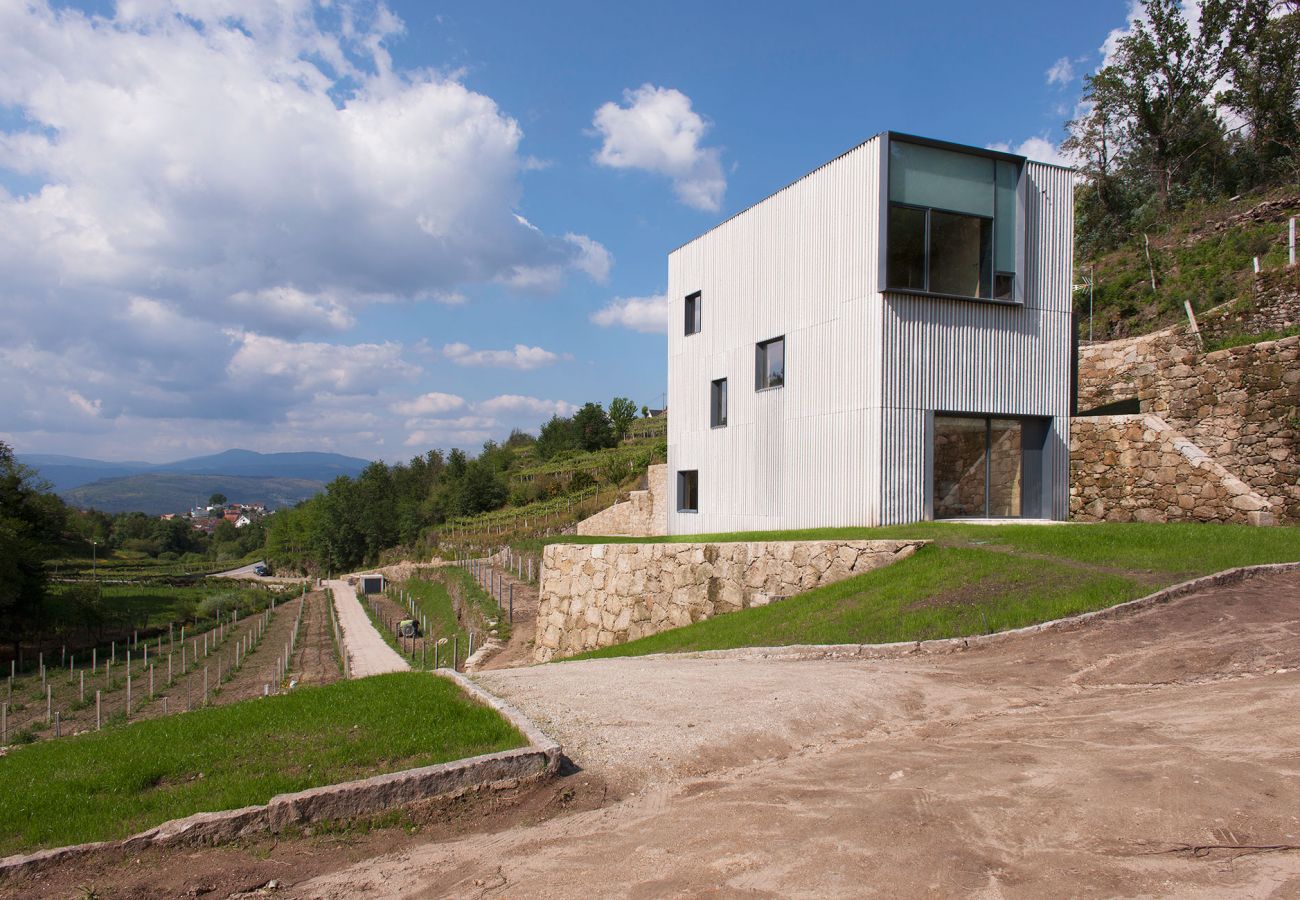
978,467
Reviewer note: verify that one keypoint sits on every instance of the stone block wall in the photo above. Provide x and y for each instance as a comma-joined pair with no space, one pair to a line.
643,514
1138,468
1274,305
1241,406
596,595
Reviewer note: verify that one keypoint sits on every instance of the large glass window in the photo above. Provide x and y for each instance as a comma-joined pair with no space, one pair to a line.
978,467
952,226
694,313
769,364
718,403
688,491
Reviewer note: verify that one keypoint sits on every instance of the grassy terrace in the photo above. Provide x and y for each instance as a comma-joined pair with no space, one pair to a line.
975,579
110,784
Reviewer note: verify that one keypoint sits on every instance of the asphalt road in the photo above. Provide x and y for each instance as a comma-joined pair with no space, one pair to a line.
241,572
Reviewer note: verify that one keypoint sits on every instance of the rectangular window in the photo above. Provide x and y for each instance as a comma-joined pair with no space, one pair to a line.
718,404
693,313
688,491
952,224
769,364
978,467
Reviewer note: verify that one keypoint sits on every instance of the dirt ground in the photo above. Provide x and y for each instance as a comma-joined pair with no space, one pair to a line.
1153,755
186,693
315,661
518,651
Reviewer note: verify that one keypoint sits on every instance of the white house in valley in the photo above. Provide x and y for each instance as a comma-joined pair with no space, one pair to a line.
888,339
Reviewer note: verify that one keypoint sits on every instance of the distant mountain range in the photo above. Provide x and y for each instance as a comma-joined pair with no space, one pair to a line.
244,476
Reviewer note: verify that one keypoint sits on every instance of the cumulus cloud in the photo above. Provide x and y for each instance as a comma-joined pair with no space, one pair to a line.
1061,71
194,186
647,314
1039,149
430,404
522,357
658,131
487,419
311,367
515,403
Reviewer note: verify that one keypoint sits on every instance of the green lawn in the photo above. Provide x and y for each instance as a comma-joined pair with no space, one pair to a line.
120,781
974,579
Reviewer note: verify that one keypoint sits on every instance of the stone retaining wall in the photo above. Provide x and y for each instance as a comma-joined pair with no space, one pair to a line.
1240,406
596,595
1138,468
1274,305
643,514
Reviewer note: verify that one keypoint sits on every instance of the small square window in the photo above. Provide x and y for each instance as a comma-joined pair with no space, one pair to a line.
769,364
718,404
693,313
688,491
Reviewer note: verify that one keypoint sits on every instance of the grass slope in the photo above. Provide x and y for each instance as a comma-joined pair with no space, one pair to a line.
1193,260
974,580
110,784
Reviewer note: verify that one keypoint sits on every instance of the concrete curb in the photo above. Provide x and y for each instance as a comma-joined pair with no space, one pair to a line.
957,645
494,771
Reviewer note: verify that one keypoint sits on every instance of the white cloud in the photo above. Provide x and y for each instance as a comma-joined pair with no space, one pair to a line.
522,357
592,257
1039,149
206,182
1061,71
431,404
658,131
648,314
310,367
515,403
286,310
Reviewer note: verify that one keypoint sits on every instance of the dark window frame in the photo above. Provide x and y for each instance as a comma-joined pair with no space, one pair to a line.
688,488
761,381
694,313
718,403
993,272
1018,281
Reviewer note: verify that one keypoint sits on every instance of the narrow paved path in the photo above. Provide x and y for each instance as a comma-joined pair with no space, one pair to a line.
368,654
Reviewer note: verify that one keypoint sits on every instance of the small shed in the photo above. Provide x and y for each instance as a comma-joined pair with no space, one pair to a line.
372,584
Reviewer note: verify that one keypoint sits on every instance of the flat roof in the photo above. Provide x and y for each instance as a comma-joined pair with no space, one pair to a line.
899,135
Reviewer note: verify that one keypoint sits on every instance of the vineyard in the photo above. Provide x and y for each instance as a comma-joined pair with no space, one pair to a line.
255,643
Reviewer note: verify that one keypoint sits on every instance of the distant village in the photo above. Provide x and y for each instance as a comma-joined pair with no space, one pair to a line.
206,518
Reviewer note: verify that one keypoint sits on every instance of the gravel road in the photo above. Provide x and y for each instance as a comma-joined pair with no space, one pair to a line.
1152,755
368,654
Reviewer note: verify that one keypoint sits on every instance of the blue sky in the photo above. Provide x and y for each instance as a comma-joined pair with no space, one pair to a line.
379,230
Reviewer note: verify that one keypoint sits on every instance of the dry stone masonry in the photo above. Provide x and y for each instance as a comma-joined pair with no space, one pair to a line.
1240,407
643,514
1137,468
596,595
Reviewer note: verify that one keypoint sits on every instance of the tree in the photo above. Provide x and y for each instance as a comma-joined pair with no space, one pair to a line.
622,412
557,435
480,490
1261,61
30,523
593,427
217,499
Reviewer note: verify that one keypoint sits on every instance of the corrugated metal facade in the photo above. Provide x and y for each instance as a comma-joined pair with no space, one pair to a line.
845,441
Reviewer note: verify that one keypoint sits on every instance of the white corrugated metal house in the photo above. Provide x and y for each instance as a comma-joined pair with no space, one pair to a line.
886,340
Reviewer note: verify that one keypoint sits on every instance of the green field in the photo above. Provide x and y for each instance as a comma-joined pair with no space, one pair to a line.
120,781
974,579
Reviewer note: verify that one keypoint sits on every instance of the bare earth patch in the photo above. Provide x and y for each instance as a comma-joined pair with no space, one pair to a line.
1153,754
